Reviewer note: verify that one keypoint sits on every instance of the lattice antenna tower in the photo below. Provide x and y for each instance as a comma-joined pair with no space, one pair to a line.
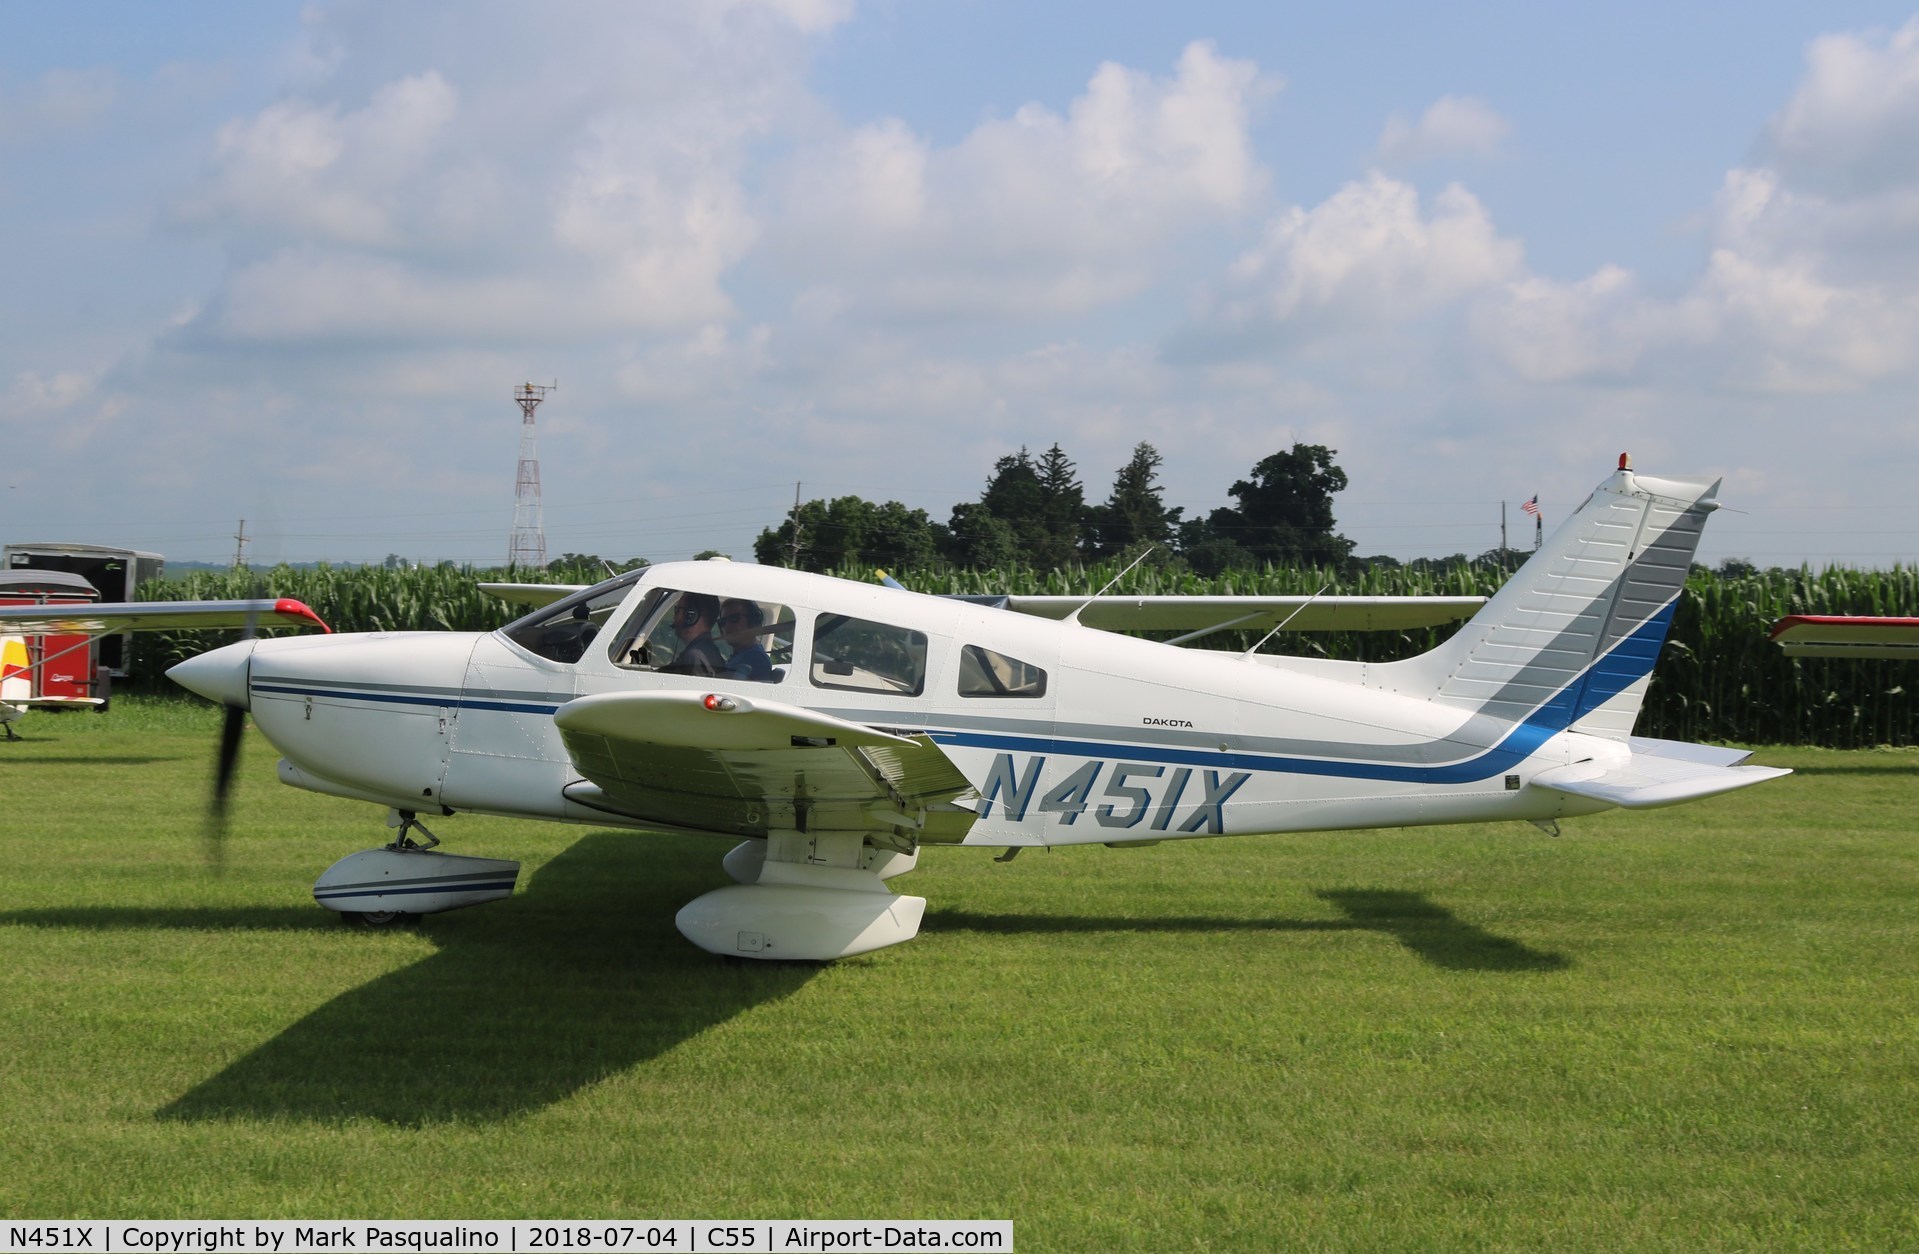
526,549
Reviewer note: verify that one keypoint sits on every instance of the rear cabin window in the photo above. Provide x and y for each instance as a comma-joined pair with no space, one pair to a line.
864,656
986,673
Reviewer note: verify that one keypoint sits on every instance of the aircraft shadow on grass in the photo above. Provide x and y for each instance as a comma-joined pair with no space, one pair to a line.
1432,932
578,977
582,976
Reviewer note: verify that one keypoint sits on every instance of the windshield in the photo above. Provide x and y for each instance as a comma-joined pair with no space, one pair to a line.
561,631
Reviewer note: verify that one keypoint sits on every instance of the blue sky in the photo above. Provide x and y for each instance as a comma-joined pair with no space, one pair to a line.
287,263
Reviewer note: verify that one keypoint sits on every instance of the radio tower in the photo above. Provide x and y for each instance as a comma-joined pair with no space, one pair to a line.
526,550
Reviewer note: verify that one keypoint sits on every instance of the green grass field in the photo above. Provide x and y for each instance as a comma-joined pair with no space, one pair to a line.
1689,1028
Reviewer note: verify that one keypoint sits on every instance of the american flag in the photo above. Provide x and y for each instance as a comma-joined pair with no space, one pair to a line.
1532,506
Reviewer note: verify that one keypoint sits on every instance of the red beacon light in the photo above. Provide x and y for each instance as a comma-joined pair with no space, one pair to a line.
714,701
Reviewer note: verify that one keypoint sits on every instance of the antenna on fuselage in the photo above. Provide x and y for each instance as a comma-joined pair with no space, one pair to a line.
1281,624
1074,616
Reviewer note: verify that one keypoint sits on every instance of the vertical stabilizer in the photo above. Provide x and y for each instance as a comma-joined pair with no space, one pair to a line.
1570,640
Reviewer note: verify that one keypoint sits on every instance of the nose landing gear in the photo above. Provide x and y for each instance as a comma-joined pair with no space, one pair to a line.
394,885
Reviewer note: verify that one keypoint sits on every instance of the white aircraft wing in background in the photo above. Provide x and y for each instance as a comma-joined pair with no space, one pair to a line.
1824,635
107,618
1254,613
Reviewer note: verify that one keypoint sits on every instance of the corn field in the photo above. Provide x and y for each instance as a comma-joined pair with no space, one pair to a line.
1720,678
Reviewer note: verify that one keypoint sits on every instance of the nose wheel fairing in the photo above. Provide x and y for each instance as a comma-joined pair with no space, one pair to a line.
407,878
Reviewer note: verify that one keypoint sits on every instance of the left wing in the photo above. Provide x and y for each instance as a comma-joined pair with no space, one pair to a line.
1299,613
729,763
1834,635
106,618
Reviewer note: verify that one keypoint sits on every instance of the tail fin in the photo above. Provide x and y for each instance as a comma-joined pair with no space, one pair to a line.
1569,642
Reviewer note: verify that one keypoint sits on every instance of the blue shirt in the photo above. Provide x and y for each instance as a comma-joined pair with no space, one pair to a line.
751,662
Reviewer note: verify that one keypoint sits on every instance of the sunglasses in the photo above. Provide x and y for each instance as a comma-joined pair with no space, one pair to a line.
727,620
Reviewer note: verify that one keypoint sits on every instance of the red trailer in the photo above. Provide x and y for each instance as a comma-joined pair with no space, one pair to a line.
49,669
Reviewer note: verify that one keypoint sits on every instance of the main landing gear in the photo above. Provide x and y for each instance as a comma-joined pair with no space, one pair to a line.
396,884
805,895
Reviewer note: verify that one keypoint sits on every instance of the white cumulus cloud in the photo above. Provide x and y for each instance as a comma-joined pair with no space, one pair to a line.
1041,211
1368,255
1450,126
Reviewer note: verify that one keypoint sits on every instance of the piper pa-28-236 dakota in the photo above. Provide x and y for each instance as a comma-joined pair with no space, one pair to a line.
834,729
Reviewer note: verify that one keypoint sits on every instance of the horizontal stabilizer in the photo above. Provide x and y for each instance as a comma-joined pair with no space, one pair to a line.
1659,773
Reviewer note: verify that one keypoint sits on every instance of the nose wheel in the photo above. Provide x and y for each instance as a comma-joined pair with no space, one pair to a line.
378,920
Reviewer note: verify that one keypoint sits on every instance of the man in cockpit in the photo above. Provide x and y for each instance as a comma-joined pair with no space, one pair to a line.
693,624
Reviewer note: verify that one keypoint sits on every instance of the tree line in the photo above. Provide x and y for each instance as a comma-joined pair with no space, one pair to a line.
1033,513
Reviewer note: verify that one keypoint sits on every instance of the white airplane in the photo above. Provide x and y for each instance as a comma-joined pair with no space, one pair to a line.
833,729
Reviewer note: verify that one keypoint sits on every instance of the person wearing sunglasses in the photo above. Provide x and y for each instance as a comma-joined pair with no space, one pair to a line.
693,624
741,624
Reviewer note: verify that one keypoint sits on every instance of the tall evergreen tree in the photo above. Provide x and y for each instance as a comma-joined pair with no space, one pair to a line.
1030,512
1062,511
1133,515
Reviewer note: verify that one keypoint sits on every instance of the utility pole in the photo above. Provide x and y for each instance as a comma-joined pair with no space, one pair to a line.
240,546
794,560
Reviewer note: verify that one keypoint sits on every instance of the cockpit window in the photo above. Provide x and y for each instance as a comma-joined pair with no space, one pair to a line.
697,633
986,673
864,656
561,631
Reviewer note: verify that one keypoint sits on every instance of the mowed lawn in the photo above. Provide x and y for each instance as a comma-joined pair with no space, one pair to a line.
1687,1028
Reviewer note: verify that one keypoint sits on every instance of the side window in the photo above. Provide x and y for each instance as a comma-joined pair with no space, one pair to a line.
864,656
562,631
984,673
696,633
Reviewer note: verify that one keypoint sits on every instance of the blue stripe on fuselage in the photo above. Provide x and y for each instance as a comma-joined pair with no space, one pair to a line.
438,701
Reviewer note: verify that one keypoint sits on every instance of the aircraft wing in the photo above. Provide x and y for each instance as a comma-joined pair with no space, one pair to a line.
108,617
532,595
1257,613
1823,635
1659,773
726,762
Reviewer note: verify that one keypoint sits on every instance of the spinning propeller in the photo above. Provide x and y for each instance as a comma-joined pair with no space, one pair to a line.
233,725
